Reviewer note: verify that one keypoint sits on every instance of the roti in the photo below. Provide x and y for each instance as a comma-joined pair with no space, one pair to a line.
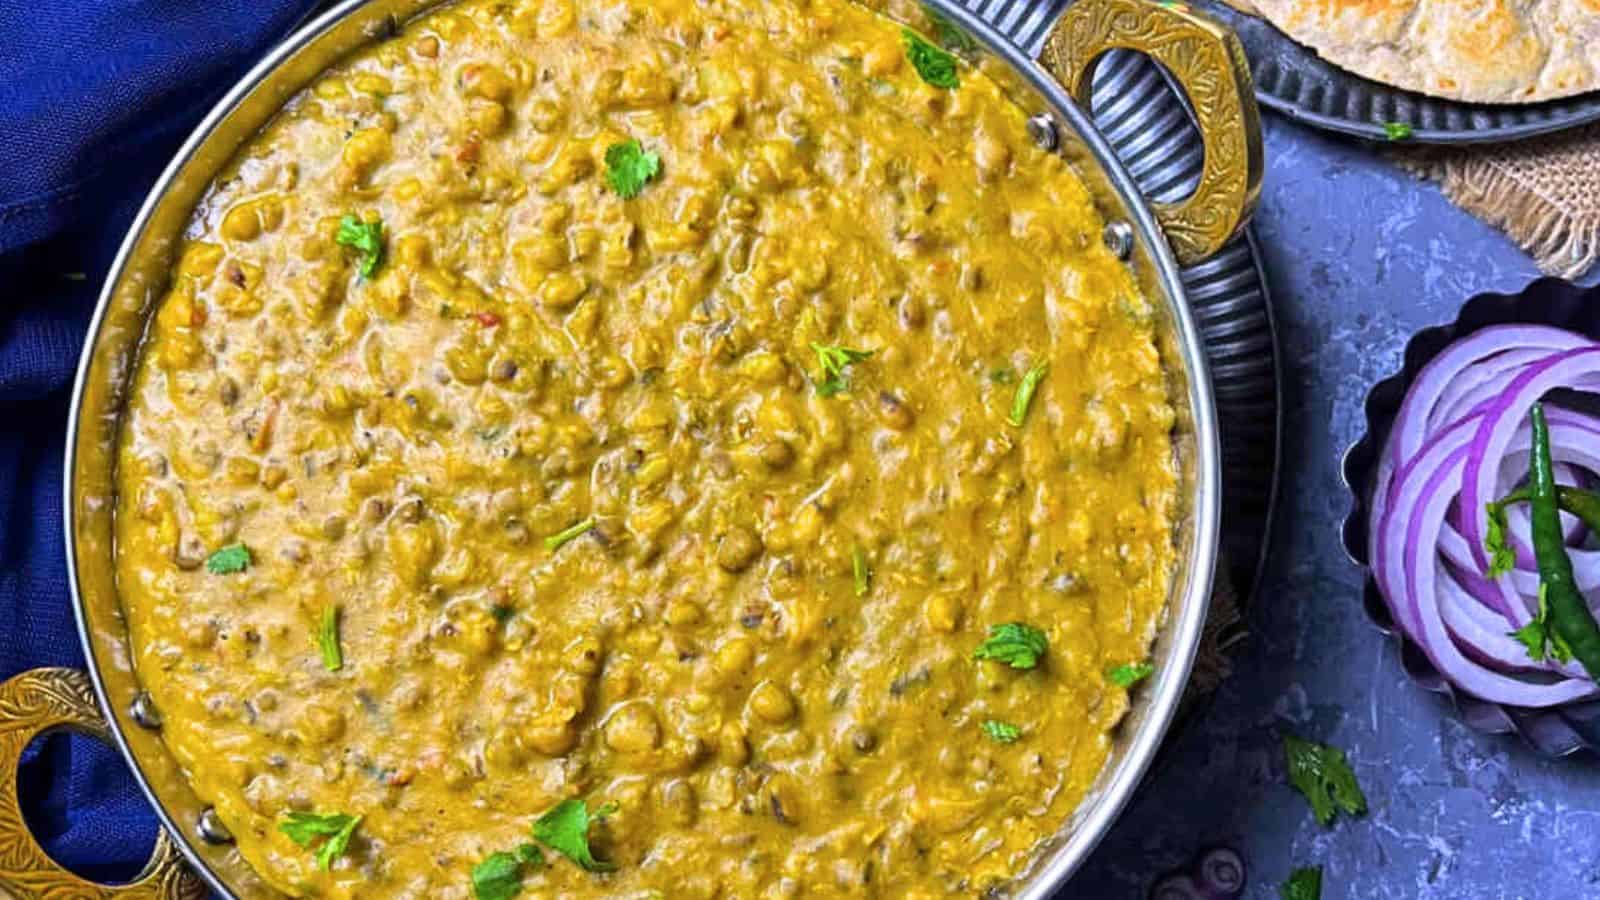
1481,51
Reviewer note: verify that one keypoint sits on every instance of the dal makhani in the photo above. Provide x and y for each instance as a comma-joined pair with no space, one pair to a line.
646,448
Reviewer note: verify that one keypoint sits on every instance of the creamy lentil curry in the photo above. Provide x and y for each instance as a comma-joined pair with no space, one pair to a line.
787,486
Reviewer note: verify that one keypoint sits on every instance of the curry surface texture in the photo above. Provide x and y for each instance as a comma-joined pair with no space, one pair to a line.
762,651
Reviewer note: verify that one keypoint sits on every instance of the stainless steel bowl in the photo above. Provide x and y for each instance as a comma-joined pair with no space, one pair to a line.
195,852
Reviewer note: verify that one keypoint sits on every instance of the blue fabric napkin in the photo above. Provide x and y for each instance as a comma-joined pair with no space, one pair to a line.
95,95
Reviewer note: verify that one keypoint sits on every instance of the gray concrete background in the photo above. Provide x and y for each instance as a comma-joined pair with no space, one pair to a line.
1359,255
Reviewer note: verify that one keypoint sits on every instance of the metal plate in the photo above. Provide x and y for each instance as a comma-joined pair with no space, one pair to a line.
1148,125
1292,79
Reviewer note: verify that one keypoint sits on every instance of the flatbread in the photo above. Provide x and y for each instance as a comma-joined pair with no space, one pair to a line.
1481,51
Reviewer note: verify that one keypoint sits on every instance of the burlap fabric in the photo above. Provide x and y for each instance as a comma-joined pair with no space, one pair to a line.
1544,193
1224,628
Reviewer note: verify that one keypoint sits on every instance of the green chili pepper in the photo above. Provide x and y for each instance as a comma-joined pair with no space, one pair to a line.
1577,501
1569,613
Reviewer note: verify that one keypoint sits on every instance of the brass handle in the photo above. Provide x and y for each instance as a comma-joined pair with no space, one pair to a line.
31,704
1208,62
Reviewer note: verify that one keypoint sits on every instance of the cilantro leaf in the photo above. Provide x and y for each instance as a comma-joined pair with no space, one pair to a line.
1542,641
328,639
499,876
834,360
229,560
554,541
305,828
1129,674
1502,558
629,168
861,571
565,829
366,238
936,67
1396,131
1017,645
1001,732
1303,884
1023,398
1324,776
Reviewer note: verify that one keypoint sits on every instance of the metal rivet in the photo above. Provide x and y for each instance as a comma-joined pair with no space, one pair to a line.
1042,128
1119,239
143,710
211,829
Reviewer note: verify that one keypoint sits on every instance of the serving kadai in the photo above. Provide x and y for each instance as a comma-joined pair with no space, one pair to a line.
647,449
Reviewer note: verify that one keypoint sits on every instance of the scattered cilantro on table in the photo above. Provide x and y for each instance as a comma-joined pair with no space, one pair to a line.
1303,884
1323,775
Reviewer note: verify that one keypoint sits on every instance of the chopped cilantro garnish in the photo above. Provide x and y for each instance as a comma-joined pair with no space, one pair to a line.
1543,642
1396,131
328,639
1001,732
834,360
1017,645
1502,558
861,571
305,828
499,876
1324,776
1023,398
1129,674
366,238
229,560
565,829
1002,375
629,168
1303,884
554,541
936,67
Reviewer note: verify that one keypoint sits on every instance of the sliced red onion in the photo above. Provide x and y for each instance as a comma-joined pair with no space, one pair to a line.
1460,440
1411,424
1499,425
1423,493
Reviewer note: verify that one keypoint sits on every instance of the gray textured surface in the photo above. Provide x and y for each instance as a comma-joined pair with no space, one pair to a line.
1359,255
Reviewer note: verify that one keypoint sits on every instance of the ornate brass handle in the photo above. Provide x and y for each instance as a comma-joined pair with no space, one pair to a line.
1206,59
31,704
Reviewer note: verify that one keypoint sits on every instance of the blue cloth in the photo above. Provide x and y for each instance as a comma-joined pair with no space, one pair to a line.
95,95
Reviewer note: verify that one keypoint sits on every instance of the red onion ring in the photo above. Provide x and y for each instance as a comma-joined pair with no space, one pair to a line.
1459,441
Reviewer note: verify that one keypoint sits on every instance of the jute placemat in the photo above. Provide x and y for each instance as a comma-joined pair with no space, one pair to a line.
1212,661
1544,193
